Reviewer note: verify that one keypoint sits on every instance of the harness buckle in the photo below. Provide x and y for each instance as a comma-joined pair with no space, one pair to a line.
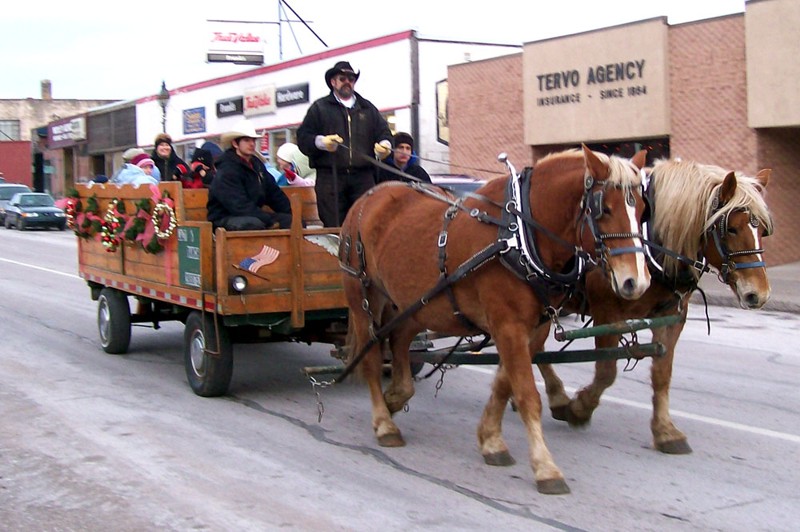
442,239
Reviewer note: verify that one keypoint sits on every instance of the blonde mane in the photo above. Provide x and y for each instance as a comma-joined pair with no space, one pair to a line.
684,193
621,172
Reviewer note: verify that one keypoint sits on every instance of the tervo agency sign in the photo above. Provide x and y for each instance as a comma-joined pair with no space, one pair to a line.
260,101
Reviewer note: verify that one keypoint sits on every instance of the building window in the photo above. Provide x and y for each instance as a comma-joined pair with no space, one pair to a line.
9,130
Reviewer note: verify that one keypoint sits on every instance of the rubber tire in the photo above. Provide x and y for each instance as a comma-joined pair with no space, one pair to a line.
20,225
7,223
208,375
114,321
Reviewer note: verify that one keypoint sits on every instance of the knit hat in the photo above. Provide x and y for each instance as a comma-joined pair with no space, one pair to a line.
403,138
142,160
342,67
130,153
287,152
161,138
203,156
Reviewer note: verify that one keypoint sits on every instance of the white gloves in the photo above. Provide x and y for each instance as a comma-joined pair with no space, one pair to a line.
383,149
331,142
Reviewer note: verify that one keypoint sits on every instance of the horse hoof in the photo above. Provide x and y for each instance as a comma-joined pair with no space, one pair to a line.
391,440
577,422
502,458
560,413
553,486
674,447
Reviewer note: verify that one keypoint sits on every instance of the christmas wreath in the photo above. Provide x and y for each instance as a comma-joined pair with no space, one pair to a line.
84,221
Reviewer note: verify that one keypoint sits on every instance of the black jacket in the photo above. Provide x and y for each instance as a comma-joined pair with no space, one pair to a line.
412,168
169,168
327,116
241,189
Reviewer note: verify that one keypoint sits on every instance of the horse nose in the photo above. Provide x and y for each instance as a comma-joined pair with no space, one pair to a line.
752,300
628,288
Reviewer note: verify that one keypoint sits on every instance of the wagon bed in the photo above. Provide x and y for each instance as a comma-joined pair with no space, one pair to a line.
298,297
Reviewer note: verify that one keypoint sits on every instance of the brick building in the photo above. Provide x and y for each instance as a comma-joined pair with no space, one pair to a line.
720,91
25,121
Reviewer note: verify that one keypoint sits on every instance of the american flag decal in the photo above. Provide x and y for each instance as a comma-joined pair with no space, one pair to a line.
266,256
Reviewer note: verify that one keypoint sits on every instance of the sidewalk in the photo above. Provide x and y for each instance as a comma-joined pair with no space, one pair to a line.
784,280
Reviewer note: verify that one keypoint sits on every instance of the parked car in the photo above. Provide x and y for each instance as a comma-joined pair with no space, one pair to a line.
6,191
34,209
457,183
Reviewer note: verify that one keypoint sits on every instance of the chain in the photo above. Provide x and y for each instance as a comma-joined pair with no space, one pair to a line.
630,346
316,386
442,370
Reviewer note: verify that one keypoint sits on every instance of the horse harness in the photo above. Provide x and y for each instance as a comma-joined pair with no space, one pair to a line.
516,247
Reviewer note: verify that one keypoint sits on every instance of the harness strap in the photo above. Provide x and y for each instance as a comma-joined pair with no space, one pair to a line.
450,215
472,264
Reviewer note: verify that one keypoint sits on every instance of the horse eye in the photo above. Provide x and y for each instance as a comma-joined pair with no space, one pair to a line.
732,231
606,211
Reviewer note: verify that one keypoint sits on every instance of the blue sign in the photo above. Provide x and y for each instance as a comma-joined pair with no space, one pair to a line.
194,120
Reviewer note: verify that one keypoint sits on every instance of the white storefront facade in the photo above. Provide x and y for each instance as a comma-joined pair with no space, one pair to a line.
402,74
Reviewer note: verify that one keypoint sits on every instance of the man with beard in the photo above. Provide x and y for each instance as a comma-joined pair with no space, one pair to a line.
342,117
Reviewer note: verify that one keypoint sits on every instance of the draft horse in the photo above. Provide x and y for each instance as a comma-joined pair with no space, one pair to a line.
703,215
499,261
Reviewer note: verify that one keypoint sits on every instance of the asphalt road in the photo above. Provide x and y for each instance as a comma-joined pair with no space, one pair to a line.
90,441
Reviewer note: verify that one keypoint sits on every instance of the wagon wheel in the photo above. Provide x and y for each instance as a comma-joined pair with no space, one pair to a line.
209,373
114,321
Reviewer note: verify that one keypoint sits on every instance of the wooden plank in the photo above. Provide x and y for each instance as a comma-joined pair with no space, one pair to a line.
296,267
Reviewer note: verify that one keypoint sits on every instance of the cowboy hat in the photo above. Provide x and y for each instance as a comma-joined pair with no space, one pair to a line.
242,129
338,68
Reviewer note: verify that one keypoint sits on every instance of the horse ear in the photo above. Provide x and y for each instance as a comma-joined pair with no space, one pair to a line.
597,169
640,159
728,188
763,176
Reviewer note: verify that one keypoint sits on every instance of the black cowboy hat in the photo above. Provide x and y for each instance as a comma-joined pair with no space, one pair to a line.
341,66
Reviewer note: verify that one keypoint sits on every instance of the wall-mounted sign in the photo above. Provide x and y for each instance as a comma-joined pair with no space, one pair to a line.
242,43
230,107
597,86
292,95
259,101
194,120
66,132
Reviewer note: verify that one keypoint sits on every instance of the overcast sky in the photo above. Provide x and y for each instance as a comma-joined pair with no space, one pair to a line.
91,49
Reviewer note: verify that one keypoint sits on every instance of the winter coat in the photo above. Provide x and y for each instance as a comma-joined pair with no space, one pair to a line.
412,168
360,128
130,174
171,169
241,189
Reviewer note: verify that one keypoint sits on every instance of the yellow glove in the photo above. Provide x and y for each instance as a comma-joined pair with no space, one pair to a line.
382,151
331,142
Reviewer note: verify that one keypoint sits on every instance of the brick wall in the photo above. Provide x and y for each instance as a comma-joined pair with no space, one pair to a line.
486,119
778,150
708,105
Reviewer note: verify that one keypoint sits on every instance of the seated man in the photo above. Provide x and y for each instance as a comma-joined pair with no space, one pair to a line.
242,186
403,159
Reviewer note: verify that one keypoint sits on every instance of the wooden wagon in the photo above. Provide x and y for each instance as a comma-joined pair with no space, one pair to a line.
226,287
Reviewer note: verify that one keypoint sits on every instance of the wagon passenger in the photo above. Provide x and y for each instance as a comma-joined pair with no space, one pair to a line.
242,187
404,160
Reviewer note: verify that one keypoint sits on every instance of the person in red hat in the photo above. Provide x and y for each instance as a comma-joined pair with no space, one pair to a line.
342,117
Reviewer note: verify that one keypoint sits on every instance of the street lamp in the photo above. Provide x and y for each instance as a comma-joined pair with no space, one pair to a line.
163,100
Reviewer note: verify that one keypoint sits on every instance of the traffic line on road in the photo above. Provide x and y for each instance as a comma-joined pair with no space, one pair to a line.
48,270
794,438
